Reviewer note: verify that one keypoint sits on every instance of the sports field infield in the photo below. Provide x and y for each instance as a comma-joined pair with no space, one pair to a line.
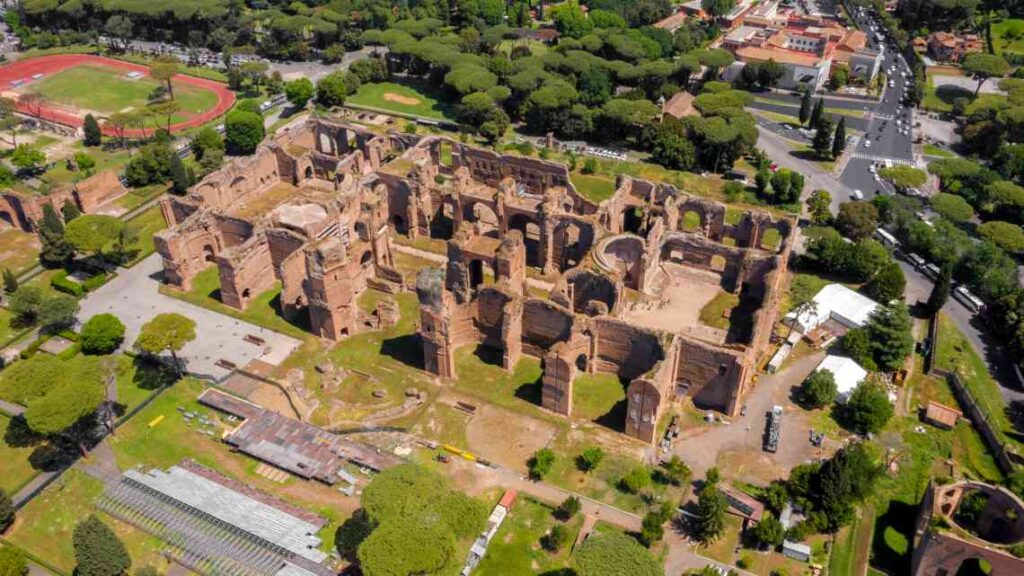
401,98
107,90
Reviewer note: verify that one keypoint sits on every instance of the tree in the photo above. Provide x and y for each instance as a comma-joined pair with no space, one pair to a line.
819,206
66,404
10,281
952,207
769,73
839,140
819,389
299,91
985,66
12,560
857,345
769,531
805,106
85,163
207,140
102,334
717,8
889,329
822,142
940,291
589,460
331,90
164,72
676,471
817,114
709,522
636,480
179,176
27,158
1005,235
568,508
540,463
255,71
570,21
94,232
6,517
98,550
761,180
9,120
887,284
93,134
167,332
857,220
120,122
868,410
120,28
556,539
652,528
243,132
25,303
166,110
612,553
58,313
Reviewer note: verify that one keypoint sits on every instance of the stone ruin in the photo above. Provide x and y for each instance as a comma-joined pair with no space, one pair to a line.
943,547
316,207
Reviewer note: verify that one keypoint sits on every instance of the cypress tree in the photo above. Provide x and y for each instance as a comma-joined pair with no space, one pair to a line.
98,551
839,141
940,291
6,511
179,175
70,210
93,135
805,106
51,223
818,113
10,281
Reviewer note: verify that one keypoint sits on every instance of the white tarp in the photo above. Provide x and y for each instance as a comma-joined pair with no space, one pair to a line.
848,374
839,303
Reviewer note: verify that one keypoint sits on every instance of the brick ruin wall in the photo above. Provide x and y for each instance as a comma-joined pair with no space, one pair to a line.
22,211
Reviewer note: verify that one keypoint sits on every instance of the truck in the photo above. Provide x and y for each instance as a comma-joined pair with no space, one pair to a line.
771,441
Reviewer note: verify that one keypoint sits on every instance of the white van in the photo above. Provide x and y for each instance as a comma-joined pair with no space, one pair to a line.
886,239
970,301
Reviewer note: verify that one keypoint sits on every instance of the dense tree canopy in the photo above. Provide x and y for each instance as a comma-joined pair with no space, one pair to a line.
615,554
98,550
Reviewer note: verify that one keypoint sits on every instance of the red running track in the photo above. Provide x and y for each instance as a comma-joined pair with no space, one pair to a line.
24,69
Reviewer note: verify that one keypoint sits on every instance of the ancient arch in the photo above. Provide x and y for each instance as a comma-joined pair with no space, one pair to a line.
484,216
624,254
531,237
633,220
6,220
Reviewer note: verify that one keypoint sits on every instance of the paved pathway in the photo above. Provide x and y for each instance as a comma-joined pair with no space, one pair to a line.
134,297
11,410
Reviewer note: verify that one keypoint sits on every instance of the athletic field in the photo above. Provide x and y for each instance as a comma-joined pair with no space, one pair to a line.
401,98
73,85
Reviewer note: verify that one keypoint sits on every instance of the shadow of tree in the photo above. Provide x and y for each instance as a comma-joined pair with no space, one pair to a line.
893,529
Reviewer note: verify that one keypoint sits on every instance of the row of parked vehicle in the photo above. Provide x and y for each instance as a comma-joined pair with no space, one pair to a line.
930,270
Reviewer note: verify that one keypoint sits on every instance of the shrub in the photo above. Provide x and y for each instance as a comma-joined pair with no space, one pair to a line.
102,334
61,283
568,508
590,459
636,480
556,539
540,463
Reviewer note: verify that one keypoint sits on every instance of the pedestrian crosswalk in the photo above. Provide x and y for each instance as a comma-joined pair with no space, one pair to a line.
873,158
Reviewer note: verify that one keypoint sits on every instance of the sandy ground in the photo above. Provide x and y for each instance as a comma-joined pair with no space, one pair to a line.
737,448
506,437
681,293
398,98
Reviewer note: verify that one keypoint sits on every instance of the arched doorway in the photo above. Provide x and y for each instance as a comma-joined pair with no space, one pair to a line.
309,172
209,254
531,237
570,245
399,224
366,260
633,220
6,220
483,215
691,221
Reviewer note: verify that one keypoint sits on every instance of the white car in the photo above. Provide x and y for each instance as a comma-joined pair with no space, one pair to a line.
858,194
873,169
867,143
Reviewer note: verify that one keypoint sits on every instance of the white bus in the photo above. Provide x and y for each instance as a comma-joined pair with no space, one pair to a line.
970,301
886,239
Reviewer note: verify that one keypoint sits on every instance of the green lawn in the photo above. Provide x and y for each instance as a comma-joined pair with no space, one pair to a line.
404,98
933,150
138,380
596,396
955,354
940,99
106,90
516,550
480,373
105,160
714,313
594,187
139,196
18,250
17,469
149,222
1014,27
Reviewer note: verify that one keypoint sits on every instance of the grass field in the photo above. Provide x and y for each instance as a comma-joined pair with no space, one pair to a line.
933,150
1008,35
940,99
714,312
401,98
516,549
594,187
596,396
18,250
106,90
149,222
17,469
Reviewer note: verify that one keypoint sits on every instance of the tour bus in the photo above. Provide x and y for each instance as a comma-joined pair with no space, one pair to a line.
916,261
970,301
932,271
886,239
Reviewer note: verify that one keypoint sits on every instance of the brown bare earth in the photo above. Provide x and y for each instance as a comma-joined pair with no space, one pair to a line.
399,99
507,438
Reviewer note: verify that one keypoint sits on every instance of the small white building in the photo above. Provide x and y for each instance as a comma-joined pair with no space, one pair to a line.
848,374
835,302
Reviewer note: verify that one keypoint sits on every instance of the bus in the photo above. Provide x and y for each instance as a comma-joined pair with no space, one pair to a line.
886,239
970,301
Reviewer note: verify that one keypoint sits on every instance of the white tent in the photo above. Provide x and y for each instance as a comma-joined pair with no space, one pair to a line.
836,302
848,374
